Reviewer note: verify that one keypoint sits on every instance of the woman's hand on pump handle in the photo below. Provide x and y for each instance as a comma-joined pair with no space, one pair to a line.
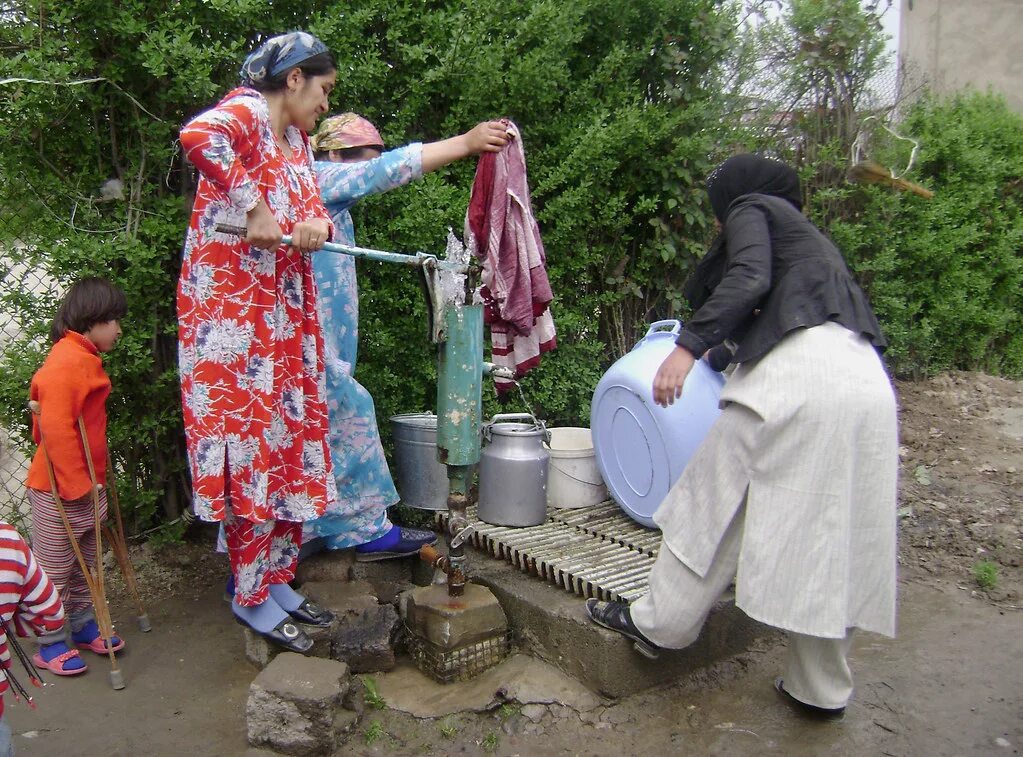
264,232
310,235
262,229
672,375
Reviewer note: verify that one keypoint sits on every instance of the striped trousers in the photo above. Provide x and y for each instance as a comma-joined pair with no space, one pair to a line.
673,612
53,550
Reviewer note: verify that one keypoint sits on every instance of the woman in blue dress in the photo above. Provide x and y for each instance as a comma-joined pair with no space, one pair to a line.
351,164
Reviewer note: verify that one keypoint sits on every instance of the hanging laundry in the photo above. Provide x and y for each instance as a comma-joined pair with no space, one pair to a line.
501,232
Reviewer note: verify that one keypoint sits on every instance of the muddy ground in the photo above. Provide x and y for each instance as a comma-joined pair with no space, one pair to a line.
950,684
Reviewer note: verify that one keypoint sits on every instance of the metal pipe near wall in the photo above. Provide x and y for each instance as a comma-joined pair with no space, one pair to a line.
459,411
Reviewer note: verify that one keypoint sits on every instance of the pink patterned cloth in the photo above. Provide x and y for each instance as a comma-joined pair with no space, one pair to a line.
346,131
502,233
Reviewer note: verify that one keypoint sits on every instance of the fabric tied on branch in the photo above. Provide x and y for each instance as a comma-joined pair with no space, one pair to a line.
501,232
278,54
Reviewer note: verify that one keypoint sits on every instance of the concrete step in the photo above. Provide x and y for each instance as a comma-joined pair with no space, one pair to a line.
551,624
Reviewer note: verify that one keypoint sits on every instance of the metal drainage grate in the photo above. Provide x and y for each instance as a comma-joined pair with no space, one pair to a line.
461,664
598,552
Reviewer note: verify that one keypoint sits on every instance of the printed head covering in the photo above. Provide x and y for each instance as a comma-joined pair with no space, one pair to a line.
279,54
345,131
748,174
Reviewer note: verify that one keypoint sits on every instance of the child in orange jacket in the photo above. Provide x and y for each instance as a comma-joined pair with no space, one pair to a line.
72,384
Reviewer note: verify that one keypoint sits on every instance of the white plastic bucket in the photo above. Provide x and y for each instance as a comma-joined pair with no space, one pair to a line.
573,479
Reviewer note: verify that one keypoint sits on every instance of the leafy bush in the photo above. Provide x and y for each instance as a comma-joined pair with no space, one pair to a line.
618,119
946,275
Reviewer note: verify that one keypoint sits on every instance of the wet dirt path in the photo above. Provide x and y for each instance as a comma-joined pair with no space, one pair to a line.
950,684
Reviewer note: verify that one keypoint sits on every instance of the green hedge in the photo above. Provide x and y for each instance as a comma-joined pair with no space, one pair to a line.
946,275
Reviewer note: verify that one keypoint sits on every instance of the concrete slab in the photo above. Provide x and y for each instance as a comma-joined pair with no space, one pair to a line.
341,598
451,622
520,679
551,624
293,703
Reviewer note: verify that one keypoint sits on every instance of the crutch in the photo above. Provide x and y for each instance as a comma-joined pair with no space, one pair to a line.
93,578
115,535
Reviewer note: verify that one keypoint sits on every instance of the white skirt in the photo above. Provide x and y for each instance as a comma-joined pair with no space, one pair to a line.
816,462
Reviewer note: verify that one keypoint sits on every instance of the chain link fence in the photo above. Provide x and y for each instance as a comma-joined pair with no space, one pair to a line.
26,297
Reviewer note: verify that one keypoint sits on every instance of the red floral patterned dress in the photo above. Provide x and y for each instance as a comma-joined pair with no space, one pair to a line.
250,348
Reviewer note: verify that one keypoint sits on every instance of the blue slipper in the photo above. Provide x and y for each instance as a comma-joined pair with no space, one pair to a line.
388,548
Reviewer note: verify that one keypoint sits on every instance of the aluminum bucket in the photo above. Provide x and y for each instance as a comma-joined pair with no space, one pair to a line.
421,480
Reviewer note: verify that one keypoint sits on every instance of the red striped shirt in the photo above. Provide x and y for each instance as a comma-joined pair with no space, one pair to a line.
27,596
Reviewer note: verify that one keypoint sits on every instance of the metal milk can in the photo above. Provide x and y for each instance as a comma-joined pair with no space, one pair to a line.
513,471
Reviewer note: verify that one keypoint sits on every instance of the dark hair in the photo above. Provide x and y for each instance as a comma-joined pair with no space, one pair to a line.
89,301
318,65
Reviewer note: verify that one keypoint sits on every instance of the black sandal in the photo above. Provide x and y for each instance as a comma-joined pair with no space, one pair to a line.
311,614
810,710
285,635
615,616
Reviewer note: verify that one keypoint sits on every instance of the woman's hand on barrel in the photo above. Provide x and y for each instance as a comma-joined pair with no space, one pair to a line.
263,231
672,375
310,235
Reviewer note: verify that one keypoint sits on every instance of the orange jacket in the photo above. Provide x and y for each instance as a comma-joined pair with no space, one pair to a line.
70,383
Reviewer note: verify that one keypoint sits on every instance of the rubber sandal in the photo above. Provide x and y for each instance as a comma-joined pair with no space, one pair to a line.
615,616
56,665
809,710
97,645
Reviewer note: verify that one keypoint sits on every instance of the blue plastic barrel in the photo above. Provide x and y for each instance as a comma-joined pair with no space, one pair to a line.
641,447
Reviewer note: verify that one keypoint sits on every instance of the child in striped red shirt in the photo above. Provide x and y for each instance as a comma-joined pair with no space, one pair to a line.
72,384
28,603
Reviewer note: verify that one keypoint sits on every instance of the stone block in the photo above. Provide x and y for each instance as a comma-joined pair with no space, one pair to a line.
453,622
260,652
355,698
388,577
331,565
365,640
293,705
345,722
341,598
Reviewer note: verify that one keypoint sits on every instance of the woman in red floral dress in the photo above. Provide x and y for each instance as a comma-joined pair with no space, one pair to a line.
250,348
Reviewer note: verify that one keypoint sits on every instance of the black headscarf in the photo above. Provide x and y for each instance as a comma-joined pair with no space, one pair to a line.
748,174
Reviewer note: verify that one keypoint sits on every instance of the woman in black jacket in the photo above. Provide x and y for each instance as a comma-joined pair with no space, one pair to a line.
792,493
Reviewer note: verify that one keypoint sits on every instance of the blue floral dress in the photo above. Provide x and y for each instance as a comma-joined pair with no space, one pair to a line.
364,485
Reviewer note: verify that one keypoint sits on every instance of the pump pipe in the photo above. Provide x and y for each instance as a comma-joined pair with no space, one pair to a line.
419,260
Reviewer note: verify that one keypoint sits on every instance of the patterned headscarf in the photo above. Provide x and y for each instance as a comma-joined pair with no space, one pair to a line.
749,174
345,131
278,54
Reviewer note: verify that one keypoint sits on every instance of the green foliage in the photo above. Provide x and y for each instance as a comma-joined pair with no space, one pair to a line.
596,88
946,275
372,695
447,728
985,573
490,742
374,732
624,107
